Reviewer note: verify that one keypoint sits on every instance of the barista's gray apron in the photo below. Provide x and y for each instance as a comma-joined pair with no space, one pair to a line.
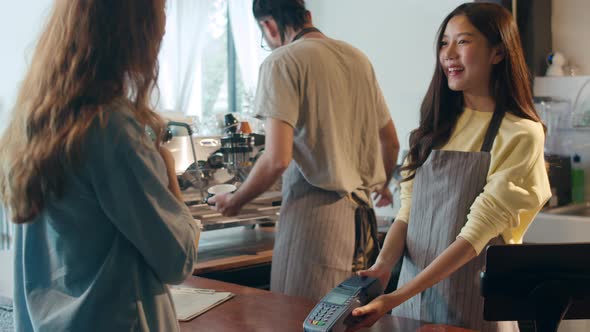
322,238
445,187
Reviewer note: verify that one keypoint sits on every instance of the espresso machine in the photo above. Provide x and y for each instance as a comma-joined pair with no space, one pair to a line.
204,162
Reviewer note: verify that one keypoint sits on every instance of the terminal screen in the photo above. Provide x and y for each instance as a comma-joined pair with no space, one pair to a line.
336,297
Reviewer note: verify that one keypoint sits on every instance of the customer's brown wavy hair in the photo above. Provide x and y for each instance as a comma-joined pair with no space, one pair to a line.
90,53
510,83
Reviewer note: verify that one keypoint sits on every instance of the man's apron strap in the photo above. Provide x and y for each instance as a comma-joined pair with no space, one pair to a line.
366,241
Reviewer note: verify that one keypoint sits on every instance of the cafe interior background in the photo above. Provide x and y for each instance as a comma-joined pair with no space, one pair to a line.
209,66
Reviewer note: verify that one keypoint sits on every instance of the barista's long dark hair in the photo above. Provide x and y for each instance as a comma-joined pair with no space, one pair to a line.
510,82
287,13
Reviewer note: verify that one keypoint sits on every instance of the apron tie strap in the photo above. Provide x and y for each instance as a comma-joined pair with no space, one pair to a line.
366,242
492,131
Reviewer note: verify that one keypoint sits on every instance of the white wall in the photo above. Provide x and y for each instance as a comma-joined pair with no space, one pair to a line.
570,31
398,37
20,23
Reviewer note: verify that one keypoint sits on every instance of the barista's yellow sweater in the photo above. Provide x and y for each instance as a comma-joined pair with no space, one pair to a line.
517,185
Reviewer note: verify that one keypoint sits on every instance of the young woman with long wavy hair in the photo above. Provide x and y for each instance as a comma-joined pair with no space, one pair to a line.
475,174
101,226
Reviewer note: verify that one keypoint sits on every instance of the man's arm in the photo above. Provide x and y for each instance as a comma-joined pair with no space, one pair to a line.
389,149
270,166
389,153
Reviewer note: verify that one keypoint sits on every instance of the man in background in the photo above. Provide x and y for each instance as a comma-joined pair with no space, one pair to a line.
330,134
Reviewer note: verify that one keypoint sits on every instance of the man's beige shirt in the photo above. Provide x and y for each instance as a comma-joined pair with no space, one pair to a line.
327,91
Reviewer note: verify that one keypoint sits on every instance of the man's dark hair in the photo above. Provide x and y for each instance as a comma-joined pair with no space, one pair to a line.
287,13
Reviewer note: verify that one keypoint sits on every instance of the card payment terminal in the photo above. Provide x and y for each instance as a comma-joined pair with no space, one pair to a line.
332,313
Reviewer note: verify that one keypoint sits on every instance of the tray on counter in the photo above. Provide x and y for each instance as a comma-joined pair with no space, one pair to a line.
263,209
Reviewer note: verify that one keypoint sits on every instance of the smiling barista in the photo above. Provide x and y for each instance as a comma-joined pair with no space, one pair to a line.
329,130
475,174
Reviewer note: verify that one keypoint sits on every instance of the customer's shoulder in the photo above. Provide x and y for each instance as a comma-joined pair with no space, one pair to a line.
118,118
117,125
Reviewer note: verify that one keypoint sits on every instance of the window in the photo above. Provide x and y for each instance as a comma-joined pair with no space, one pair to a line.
223,89
209,58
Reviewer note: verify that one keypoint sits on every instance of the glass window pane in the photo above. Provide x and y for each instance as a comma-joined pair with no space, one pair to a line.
215,99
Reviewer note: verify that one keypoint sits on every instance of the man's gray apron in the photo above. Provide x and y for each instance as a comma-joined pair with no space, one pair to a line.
322,238
445,187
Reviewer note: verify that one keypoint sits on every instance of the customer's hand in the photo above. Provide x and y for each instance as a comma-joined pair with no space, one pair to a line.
224,204
383,196
373,311
171,172
380,271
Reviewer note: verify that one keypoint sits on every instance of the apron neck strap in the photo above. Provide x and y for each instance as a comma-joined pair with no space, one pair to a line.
304,32
492,131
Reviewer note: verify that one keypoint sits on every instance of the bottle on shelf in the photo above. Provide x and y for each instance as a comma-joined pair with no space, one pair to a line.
577,180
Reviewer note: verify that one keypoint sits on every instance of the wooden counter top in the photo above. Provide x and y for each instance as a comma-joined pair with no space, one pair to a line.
258,310
250,310
233,262
232,248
